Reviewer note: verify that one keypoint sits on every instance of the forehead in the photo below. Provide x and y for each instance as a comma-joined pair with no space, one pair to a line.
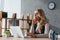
36,11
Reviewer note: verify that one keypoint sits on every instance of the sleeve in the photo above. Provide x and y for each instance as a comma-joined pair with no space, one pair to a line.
38,25
31,29
46,28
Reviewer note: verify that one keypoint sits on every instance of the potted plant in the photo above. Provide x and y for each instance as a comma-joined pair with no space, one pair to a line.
7,33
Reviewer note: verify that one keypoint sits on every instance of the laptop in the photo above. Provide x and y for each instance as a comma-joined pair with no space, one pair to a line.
15,30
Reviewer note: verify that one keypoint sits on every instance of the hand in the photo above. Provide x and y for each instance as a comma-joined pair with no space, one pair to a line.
34,21
29,34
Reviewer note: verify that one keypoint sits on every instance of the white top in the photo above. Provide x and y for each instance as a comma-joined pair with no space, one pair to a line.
46,28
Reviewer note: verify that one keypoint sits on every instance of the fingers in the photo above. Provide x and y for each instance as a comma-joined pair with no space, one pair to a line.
33,21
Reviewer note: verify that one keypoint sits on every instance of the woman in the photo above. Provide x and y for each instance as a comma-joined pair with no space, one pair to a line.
39,23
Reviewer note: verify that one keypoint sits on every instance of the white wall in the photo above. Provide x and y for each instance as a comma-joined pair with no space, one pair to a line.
1,5
12,6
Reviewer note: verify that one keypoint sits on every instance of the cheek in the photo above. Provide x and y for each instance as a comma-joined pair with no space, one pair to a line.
38,15
36,18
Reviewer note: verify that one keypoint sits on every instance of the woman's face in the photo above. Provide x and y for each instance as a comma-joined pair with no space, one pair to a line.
37,15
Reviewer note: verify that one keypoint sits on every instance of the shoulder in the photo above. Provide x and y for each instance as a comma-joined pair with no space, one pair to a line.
47,24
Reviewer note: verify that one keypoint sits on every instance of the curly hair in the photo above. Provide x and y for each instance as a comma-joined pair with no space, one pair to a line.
42,18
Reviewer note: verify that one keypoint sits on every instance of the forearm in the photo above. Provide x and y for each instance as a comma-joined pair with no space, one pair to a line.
38,27
31,29
46,28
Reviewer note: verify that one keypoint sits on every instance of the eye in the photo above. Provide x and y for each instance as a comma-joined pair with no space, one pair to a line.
35,14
